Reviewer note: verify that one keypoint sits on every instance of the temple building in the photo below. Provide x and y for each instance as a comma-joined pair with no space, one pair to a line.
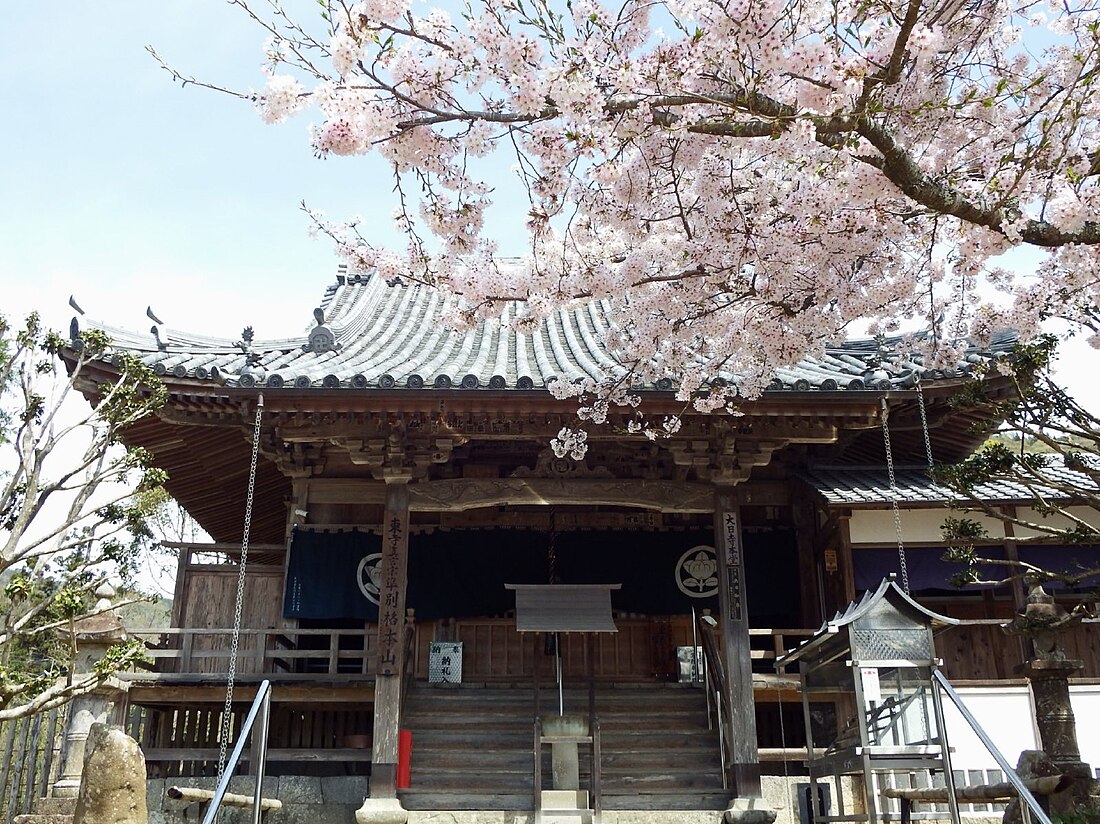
404,478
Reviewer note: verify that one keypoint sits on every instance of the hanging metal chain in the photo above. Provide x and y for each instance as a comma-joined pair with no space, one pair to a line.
894,494
227,712
924,428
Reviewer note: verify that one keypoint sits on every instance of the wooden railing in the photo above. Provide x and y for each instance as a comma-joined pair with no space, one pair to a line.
718,708
493,650
768,644
974,650
191,653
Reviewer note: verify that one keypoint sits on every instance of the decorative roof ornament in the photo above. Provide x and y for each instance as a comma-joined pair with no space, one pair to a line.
75,340
321,339
253,371
161,345
152,316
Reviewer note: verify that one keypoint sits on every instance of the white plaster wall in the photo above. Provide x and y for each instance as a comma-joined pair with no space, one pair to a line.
1086,709
923,526
1006,715
918,526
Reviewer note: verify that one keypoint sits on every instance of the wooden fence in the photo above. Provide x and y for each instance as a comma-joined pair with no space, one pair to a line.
30,748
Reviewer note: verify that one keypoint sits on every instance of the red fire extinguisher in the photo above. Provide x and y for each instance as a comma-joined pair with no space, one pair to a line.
404,759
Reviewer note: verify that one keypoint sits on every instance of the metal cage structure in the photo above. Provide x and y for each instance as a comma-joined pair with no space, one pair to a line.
876,661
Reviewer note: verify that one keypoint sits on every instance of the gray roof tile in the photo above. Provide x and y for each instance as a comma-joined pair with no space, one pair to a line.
870,486
397,331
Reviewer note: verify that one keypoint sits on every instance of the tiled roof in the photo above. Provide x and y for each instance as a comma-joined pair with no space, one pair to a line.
372,334
870,486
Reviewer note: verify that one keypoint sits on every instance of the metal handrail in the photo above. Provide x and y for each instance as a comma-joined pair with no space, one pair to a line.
715,686
261,706
1027,800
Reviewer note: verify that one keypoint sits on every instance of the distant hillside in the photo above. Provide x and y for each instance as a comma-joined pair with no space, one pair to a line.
155,614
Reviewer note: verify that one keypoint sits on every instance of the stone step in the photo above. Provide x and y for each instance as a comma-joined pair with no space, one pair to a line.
53,806
43,818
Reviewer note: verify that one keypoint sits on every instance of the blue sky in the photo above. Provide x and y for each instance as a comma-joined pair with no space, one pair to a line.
126,190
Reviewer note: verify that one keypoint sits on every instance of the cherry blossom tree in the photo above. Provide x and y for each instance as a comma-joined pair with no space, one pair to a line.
741,180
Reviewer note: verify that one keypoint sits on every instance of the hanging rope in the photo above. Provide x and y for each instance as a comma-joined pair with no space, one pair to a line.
783,736
894,494
227,713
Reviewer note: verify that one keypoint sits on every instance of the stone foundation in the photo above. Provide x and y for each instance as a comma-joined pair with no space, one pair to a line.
334,800
306,799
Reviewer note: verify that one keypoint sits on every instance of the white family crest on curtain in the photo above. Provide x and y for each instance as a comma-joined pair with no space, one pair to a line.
369,576
697,572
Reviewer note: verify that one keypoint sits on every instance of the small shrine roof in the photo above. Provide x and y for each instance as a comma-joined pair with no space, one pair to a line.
869,486
887,590
369,333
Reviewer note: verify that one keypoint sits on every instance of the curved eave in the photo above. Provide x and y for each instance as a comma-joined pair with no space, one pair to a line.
209,470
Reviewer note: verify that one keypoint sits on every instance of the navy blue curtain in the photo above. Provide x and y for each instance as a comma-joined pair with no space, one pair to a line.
462,573
929,573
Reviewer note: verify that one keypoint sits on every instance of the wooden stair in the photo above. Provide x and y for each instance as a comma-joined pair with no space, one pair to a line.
473,745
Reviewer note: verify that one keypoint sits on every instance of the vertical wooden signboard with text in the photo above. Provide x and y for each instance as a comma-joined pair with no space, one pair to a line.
745,770
391,639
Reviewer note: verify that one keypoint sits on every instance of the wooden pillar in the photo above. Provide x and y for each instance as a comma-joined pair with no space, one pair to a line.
804,516
847,562
745,770
391,638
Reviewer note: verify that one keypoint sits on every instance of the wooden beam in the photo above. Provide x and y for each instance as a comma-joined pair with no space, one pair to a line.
470,493
167,694
1001,791
344,491
316,756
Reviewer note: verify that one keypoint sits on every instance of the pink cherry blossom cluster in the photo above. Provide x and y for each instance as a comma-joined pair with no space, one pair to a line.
742,181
